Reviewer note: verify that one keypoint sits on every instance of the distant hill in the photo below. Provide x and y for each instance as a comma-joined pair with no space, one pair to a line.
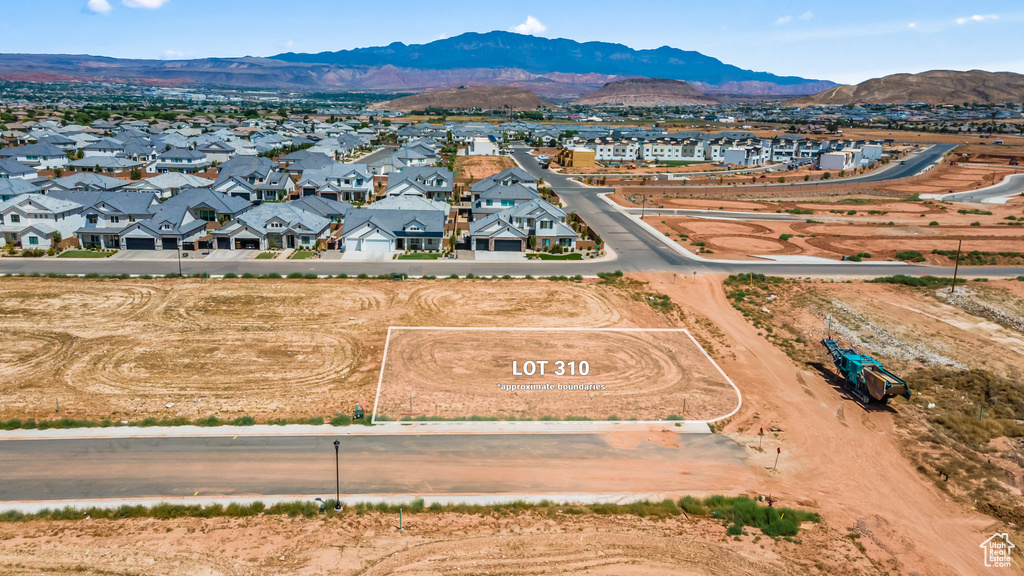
544,56
933,87
485,98
646,93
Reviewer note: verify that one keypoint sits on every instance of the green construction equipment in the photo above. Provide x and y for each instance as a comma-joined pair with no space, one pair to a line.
864,376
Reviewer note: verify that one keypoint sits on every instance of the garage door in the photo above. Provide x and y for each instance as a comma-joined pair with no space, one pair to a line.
482,244
247,244
508,245
169,243
223,243
140,244
376,245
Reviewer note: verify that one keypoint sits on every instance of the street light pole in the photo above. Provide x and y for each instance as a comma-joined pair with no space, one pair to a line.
337,476
179,258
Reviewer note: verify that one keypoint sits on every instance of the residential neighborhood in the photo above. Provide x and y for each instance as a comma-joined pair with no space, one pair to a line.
248,188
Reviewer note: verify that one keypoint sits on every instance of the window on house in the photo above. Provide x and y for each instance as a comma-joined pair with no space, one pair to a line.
546,225
15,218
305,239
508,202
115,219
33,240
490,203
92,219
131,218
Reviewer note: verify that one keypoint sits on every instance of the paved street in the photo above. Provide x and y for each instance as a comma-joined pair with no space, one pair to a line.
553,463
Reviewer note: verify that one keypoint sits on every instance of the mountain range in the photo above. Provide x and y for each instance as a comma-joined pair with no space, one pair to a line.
555,68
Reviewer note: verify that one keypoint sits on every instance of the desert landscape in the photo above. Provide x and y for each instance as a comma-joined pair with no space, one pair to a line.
850,463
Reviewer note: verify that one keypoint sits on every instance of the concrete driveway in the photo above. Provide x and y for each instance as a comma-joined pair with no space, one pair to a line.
148,255
359,256
233,255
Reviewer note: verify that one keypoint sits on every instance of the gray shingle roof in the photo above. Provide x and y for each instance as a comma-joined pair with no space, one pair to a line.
221,203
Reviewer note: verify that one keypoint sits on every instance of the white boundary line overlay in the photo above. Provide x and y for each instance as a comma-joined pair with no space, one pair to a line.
387,342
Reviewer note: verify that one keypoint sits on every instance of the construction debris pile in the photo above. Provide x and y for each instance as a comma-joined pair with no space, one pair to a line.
968,301
869,336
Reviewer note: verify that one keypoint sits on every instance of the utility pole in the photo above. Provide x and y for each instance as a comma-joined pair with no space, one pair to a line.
179,258
956,267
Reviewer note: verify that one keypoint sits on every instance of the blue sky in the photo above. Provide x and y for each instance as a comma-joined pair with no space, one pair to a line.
840,41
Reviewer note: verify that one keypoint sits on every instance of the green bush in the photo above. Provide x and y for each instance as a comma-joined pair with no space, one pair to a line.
295,275
362,276
243,421
785,237
310,276
911,255
230,275
249,275
917,281
270,276
341,420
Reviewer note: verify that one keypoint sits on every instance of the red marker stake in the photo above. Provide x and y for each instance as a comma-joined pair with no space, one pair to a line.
779,451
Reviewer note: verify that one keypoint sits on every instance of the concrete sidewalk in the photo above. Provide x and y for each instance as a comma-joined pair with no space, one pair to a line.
33,506
378,429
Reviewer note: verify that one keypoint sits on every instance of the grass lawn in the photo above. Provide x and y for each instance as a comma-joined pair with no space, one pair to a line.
572,256
84,254
302,254
266,255
420,256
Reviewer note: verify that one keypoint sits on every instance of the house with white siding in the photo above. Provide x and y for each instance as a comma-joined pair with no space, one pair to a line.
31,220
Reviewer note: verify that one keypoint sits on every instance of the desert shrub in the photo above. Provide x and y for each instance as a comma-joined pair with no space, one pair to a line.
911,255
785,237
295,275
243,421
917,281
230,275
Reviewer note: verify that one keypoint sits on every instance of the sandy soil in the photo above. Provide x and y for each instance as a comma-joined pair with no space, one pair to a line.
478,167
645,375
371,544
837,456
125,349
742,240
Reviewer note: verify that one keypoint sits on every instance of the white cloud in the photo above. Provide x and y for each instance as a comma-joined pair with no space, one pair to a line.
784,20
531,26
912,25
173,55
98,6
150,4
807,15
977,18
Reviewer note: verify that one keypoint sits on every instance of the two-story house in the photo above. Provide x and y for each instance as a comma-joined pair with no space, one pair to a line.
32,220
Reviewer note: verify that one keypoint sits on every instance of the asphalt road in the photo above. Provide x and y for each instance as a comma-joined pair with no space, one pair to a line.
436,464
1009,187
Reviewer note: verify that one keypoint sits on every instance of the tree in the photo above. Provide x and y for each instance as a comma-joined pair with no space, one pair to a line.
57,238
135,174
58,172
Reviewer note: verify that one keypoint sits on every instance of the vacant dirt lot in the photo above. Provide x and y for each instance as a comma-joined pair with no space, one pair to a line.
478,167
645,375
125,349
856,225
525,543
